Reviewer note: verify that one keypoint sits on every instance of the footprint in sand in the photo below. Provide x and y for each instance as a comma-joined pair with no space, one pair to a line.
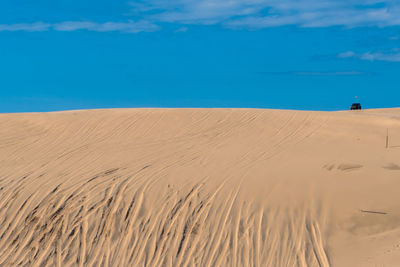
329,167
349,167
392,167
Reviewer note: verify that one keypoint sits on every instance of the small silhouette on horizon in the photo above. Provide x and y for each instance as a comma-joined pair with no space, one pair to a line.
355,106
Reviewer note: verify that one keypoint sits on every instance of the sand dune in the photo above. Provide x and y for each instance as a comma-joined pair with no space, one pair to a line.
200,187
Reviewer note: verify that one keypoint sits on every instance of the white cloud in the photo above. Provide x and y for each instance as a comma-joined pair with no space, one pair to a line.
29,27
381,57
373,56
74,25
252,14
129,27
347,54
272,13
182,29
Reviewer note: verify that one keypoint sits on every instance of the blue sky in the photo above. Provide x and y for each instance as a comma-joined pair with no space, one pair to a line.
303,54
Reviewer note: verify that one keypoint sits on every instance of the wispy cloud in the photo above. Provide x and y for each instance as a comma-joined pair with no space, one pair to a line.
372,56
318,73
128,27
330,73
272,13
182,29
254,14
29,27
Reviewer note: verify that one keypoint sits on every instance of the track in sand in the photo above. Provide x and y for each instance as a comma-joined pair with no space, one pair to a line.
198,187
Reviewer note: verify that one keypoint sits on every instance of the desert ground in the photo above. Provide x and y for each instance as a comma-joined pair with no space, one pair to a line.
200,187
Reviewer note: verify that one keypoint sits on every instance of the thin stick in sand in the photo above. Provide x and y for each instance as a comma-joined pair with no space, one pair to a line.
387,138
375,212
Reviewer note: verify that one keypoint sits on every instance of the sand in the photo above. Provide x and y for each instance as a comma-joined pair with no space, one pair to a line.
200,187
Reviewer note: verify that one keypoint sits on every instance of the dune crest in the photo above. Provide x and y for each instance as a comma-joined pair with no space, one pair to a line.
199,187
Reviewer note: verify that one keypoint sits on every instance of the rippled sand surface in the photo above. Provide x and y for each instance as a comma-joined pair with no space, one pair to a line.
200,187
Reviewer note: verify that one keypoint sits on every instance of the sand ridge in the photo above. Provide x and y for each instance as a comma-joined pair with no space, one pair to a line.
199,187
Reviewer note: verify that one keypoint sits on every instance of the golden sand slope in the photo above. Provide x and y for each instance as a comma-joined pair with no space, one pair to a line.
200,187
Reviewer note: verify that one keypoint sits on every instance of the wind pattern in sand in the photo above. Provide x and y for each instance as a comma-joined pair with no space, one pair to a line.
194,187
93,224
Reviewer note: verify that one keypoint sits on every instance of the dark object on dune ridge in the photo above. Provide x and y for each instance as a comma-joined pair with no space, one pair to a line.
355,106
